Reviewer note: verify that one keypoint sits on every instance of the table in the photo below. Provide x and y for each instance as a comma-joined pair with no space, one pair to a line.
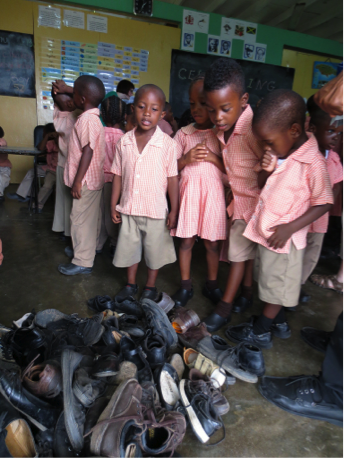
24,151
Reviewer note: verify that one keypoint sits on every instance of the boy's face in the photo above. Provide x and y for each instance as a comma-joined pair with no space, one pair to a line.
277,142
148,109
197,104
326,135
224,107
65,102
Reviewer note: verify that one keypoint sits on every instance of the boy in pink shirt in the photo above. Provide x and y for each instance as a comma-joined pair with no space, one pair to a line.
84,174
226,101
296,192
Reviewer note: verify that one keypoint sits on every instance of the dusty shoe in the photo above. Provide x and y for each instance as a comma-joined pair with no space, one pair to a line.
87,389
154,347
106,366
184,319
176,361
165,302
133,353
92,417
167,382
43,380
195,360
194,335
61,443
127,370
26,344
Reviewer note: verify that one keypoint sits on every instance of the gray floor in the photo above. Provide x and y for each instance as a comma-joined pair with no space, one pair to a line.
29,279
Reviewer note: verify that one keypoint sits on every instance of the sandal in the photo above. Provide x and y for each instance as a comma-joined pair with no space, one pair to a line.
325,281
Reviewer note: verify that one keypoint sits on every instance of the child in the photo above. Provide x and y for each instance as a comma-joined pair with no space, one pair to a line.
47,171
226,101
145,167
113,113
130,122
65,116
327,137
168,124
202,209
297,192
5,167
125,90
84,174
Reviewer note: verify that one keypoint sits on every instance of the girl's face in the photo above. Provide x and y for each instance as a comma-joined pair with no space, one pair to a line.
197,106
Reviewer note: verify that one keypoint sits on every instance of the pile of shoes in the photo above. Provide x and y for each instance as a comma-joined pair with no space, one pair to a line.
115,384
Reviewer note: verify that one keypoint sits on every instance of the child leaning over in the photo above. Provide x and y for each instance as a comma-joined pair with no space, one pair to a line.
145,167
5,167
84,174
297,191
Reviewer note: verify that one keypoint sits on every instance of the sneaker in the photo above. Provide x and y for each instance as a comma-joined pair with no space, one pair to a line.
195,360
87,389
244,333
301,395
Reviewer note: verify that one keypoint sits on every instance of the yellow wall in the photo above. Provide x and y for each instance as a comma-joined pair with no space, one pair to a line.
18,115
303,64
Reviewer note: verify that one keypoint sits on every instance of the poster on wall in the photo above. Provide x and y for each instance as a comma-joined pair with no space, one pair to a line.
254,51
202,23
227,28
250,32
97,23
225,48
188,41
49,17
189,21
323,72
75,19
213,45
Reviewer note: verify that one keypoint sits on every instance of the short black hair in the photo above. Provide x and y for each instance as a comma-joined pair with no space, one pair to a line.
129,109
185,119
125,86
92,88
317,115
222,73
281,109
2,133
167,106
152,88
113,110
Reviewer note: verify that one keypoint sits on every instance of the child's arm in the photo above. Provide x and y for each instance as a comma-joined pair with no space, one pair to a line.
216,160
87,154
115,195
60,87
336,190
196,154
51,136
173,193
268,164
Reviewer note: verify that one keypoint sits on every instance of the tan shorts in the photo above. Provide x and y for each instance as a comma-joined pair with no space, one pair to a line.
151,234
279,276
240,248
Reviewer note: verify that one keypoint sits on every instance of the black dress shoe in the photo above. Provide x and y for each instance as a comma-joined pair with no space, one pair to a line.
315,338
182,296
244,333
72,269
100,303
304,297
154,346
134,354
127,291
153,295
301,395
215,295
214,322
241,304
129,306
281,330
26,344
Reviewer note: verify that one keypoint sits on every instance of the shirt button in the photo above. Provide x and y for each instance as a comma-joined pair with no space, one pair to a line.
227,168
140,160
136,192
137,176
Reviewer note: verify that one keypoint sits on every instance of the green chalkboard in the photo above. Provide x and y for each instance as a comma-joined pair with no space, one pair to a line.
17,64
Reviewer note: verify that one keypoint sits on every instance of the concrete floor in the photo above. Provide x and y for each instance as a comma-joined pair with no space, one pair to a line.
29,279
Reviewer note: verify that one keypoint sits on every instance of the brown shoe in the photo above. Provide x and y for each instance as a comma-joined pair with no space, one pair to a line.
43,380
184,319
193,336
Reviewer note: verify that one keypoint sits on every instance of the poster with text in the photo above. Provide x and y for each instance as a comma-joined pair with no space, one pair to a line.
97,23
213,45
202,23
49,17
75,19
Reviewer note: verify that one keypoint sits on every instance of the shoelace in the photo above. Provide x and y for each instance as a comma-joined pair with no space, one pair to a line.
308,387
232,352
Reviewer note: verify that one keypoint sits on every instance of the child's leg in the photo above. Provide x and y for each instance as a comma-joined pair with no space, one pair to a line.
101,230
213,256
111,227
152,276
131,274
47,188
185,255
235,277
5,176
58,224
312,254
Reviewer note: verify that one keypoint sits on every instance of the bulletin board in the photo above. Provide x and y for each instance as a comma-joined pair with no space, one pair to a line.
114,49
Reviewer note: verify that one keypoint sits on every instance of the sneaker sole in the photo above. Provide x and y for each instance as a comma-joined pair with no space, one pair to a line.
202,436
262,346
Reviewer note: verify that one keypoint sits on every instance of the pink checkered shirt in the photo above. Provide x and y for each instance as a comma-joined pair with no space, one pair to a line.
112,136
64,122
240,155
144,176
335,171
300,182
88,130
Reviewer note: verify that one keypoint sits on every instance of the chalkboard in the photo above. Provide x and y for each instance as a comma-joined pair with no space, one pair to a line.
260,78
17,65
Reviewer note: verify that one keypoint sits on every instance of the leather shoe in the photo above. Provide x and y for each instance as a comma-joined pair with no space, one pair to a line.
244,333
134,354
215,295
153,295
126,292
154,346
182,296
241,304
315,338
214,322
100,303
281,330
72,269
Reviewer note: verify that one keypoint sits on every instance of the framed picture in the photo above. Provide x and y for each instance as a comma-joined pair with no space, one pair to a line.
225,49
188,41
213,44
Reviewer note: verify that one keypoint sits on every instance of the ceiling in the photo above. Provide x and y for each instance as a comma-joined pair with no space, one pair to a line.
320,18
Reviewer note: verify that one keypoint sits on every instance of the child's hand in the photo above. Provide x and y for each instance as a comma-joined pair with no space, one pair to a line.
268,162
116,217
281,235
197,154
59,87
172,220
76,190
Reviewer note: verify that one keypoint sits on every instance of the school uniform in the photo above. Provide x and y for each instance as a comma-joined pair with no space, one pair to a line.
143,204
318,228
300,182
5,169
202,209
88,130
106,227
63,122
165,127
241,154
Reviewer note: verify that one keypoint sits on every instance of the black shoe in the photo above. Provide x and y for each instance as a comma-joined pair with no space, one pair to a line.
40,413
129,324
304,297
182,296
72,269
167,382
315,338
244,333
154,346
292,309
61,444
26,344
241,304
129,306
215,295
300,395
15,196
69,252
157,320
153,295
214,322
134,354
106,366
100,303
127,291
281,330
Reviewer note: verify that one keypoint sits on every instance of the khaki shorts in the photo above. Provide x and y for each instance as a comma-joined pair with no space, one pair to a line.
240,248
279,276
151,234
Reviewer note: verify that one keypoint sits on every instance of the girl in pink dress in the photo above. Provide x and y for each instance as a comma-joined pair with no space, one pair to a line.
202,210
